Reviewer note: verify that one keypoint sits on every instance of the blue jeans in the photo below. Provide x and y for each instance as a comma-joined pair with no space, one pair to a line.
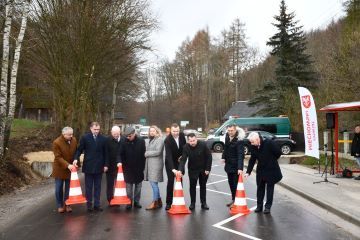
156,191
60,194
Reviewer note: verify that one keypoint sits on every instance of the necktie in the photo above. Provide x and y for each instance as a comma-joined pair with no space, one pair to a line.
94,137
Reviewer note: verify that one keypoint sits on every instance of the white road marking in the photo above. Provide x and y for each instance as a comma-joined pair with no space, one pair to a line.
225,193
219,225
213,183
218,175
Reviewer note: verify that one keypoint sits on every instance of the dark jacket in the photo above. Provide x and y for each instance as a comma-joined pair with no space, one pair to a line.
173,152
355,145
267,157
113,152
200,159
94,153
132,156
64,153
233,154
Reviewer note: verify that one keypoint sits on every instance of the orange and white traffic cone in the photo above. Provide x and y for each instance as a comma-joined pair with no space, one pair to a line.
178,206
75,193
240,205
120,196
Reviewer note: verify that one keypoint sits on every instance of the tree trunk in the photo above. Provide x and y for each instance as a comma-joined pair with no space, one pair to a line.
4,76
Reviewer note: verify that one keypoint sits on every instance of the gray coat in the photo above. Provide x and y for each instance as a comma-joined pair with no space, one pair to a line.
154,160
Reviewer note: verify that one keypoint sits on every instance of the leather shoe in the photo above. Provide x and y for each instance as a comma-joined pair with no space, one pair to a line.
205,206
98,209
137,205
68,208
61,210
192,206
128,207
230,203
257,210
266,210
168,206
90,209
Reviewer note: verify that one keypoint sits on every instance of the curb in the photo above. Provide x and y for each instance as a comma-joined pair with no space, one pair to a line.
341,214
344,215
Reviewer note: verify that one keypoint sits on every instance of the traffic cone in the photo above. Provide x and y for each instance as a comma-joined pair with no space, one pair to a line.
120,196
240,205
178,205
75,194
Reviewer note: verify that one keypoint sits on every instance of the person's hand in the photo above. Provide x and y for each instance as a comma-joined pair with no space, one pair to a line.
356,154
75,163
246,175
71,167
240,172
105,169
178,174
118,165
222,161
174,171
207,173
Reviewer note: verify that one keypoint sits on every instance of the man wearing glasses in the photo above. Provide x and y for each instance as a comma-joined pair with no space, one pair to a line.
132,157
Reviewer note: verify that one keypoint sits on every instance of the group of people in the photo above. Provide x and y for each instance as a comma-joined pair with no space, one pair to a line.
143,162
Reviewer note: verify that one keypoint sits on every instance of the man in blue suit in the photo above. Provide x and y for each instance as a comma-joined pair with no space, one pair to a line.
93,145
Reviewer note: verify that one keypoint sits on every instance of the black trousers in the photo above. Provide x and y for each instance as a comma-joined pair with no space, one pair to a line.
169,186
202,182
261,194
93,182
233,181
110,181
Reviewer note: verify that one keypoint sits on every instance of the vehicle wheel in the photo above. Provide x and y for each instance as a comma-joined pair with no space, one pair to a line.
246,150
285,149
218,147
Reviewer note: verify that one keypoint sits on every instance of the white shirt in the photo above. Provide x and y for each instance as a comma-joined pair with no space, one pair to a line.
177,141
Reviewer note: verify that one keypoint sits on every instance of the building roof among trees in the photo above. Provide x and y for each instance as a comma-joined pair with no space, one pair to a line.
242,110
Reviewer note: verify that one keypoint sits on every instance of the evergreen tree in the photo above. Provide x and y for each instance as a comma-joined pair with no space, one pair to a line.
293,68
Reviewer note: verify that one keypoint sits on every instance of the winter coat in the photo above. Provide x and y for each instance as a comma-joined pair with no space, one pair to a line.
200,159
267,156
233,153
95,153
173,152
113,152
355,145
132,156
64,153
154,164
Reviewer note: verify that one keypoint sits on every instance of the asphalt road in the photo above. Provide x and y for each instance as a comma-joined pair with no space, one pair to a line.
287,220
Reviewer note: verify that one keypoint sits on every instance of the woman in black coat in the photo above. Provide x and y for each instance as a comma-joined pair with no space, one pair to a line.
233,156
268,172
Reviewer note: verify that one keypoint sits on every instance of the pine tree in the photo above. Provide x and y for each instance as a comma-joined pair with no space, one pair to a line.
293,67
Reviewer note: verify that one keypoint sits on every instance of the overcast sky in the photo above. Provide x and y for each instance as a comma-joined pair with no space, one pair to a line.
180,19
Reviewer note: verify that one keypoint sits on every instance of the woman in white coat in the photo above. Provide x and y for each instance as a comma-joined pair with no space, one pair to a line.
154,165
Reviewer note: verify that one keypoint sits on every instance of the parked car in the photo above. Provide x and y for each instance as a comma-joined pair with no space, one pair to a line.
286,144
188,131
212,130
144,131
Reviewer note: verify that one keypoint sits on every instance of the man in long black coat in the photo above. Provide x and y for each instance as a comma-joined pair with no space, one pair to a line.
113,144
268,172
132,156
355,147
174,144
199,167
93,145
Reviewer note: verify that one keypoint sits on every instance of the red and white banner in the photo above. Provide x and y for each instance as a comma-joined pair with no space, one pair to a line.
310,123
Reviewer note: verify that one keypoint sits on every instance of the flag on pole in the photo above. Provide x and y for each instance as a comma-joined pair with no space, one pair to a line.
310,123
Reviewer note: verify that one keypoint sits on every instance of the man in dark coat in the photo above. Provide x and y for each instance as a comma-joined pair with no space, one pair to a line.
233,156
93,145
174,143
199,167
355,147
268,172
132,157
113,144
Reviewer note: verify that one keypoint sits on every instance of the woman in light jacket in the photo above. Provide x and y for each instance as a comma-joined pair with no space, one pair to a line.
154,165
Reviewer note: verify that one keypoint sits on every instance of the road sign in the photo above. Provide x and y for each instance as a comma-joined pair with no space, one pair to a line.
184,123
142,121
